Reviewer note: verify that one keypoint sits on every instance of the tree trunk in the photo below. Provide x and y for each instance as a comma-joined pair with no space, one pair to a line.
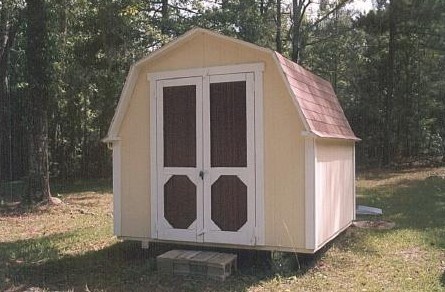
165,17
4,96
7,36
279,45
38,83
387,146
298,11
297,6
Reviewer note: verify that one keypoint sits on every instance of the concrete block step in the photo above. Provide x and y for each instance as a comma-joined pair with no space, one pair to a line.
213,265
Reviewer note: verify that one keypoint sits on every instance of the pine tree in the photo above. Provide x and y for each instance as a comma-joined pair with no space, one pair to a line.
38,82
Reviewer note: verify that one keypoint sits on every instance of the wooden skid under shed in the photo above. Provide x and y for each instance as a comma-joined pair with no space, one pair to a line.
214,265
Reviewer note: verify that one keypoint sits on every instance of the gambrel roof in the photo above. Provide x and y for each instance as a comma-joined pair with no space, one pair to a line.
313,96
317,100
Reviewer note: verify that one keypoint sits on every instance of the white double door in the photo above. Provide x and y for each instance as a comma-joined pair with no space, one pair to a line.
206,159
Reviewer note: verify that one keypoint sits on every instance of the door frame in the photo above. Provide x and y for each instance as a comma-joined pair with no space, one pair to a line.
257,70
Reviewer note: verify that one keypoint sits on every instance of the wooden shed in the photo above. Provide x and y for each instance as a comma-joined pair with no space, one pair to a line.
220,142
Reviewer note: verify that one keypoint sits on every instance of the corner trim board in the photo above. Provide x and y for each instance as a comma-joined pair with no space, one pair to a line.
153,163
117,188
354,183
310,194
259,160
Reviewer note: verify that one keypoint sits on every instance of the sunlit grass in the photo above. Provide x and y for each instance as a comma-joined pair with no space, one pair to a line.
71,246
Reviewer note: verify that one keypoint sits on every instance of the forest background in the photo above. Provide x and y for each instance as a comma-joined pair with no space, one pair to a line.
63,64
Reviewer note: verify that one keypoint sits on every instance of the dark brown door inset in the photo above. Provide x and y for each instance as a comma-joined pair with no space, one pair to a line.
179,103
228,136
180,201
229,203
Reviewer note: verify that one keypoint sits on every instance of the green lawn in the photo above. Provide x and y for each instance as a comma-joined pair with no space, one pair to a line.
71,247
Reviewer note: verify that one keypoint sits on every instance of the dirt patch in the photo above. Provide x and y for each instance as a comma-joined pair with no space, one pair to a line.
374,224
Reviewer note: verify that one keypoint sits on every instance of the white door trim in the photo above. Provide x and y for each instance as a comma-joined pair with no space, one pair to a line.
257,74
218,70
212,233
164,229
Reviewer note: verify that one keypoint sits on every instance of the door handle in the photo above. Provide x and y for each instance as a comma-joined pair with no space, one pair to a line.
201,174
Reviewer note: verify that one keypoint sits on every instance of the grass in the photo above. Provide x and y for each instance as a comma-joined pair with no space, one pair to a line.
71,247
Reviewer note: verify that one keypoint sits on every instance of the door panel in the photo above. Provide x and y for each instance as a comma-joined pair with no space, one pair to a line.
229,203
229,183
179,109
179,149
180,201
228,143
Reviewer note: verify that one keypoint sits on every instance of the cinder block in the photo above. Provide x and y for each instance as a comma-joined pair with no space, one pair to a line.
201,263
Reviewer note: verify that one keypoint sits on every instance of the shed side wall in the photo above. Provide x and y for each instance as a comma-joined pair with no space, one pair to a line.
135,164
334,175
283,144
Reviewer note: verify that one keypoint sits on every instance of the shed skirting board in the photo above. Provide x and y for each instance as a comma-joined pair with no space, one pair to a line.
117,188
333,236
222,245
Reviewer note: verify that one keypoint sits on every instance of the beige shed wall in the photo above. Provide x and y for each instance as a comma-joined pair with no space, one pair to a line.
283,145
135,164
334,180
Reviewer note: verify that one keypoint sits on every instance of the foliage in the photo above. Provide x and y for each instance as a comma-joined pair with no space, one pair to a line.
394,101
355,56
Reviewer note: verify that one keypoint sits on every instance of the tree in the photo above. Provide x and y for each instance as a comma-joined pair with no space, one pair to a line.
395,87
38,77
298,12
390,87
10,20
278,38
68,101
